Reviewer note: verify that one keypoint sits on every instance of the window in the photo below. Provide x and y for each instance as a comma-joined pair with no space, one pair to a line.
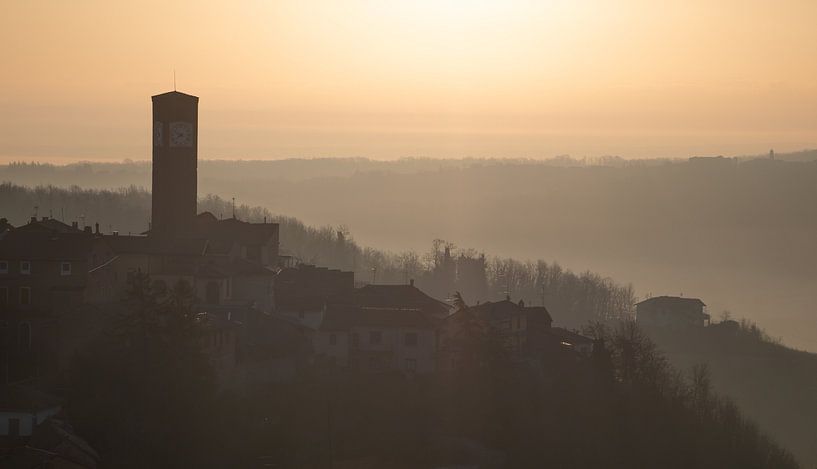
4,297
25,296
25,267
375,337
411,364
65,268
355,339
333,339
374,363
4,267
24,336
410,339
212,293
14,428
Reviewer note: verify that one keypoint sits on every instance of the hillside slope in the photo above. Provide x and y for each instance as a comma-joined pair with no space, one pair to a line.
774,385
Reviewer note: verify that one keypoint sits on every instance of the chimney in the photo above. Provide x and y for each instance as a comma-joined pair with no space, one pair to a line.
115,233
411,282
96,226
33,219
87,229
75,225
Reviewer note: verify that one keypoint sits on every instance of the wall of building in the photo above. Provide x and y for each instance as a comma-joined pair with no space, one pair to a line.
337,352
392,349
256,288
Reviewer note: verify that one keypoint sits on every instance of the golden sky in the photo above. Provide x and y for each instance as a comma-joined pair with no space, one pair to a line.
439,78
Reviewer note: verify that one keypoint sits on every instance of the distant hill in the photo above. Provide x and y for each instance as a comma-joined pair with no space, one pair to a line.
774,385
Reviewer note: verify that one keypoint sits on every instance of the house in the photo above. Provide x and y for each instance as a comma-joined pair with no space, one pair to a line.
227,281
116,258
525,331
377,339
301,292
43,273
671,312
218,273
397,297
569,340
255,242
523,328
276,351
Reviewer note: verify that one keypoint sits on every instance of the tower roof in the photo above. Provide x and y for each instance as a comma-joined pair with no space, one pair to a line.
173,94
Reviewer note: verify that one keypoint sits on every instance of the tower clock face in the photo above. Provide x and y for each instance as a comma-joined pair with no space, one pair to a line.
157,134
181,134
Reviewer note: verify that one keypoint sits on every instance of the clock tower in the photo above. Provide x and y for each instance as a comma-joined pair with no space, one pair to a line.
175,144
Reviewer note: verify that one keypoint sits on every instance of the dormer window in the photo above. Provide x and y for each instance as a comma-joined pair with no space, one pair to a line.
25,267
65,268
4,267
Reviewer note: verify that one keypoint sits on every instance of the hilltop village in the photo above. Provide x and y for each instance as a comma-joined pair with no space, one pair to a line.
263,312
265,319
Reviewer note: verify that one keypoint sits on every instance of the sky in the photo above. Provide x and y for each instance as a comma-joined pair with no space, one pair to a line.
420,78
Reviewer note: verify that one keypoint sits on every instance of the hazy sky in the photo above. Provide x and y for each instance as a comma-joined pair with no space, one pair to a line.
414,78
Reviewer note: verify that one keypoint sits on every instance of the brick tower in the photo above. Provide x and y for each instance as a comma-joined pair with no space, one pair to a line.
175,148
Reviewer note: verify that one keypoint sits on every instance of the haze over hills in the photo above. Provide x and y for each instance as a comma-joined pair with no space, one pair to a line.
734,233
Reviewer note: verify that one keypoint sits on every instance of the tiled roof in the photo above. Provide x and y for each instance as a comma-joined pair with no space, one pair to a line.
49,224
45,245
671,300
234,230
501,309
570,337
216,320
121,244
395,296
174,94
342,317
299,303
233,267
